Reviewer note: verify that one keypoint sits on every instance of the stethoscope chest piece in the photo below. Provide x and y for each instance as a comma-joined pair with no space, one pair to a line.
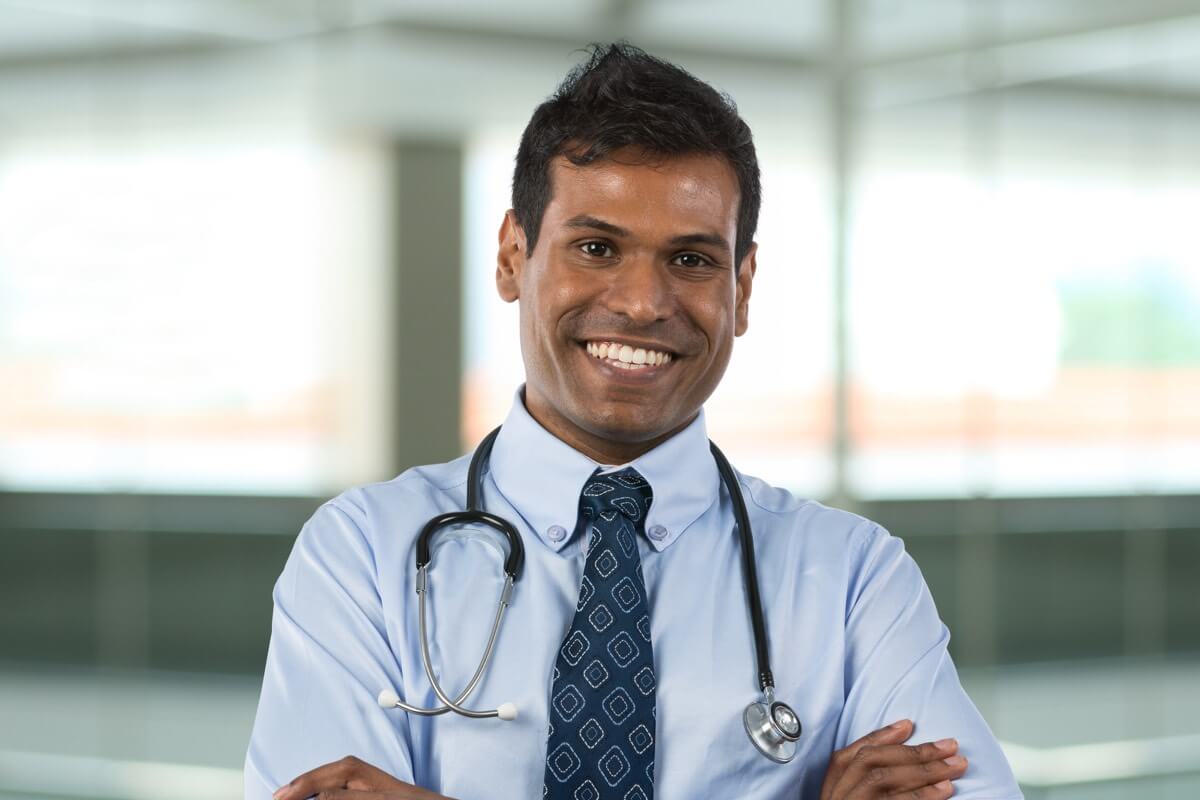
774,728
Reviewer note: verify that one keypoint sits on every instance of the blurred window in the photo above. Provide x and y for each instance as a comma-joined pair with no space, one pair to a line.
1025,321
170,313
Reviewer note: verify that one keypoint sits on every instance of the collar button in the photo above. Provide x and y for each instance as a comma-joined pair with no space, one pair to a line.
556,533
657,532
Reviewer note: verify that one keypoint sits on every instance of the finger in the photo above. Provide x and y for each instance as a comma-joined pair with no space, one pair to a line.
907,778
873,762
364,777
895,733
348,772
938,791
405,792
892,734
916,776
919,753
326,776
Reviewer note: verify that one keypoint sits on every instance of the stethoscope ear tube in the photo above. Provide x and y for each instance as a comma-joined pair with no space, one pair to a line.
506,711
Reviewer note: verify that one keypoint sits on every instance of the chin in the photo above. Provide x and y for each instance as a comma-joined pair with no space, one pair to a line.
621,428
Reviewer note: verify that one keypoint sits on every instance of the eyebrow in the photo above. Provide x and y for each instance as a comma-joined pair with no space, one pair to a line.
585,221
595,223
711,239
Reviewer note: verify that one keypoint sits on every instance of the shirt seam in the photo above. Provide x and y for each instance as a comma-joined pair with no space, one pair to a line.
350,520
404,477
747,489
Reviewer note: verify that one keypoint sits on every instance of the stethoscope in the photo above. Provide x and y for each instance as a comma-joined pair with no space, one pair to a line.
772,725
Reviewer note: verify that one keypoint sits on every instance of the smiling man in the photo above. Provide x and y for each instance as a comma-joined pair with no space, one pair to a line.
628,647
631,295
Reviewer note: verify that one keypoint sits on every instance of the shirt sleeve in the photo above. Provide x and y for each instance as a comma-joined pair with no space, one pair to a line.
897,667
328,658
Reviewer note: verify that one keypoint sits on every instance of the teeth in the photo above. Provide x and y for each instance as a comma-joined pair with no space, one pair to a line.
626,356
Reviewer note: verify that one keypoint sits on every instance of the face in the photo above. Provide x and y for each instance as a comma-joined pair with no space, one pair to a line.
630,302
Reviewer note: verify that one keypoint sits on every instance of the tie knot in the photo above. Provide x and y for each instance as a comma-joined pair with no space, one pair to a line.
625,492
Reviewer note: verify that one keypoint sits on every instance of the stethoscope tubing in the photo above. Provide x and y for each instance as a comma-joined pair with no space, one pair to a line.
772,726
766,679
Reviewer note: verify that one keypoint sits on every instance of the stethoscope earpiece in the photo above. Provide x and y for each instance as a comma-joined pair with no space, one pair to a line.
774,728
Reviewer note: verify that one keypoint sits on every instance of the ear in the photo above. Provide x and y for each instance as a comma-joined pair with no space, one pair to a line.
510,258
745,282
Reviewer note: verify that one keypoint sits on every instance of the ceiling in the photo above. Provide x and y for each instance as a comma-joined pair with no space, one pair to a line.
423,51
887,32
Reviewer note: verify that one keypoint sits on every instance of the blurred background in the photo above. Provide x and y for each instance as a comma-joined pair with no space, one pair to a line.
246,256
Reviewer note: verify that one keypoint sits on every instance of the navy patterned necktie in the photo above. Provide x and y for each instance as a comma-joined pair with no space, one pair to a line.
601,742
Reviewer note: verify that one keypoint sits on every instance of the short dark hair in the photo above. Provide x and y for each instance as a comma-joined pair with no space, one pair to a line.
620,97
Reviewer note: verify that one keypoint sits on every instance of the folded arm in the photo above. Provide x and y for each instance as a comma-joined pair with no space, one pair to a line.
328,658
897,667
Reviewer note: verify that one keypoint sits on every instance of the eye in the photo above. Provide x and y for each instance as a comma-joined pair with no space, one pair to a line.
597,249
691,260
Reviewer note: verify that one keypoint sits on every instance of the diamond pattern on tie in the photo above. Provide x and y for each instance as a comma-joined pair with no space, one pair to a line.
601,741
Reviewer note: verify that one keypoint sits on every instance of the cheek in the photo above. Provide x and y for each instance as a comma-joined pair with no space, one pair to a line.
560,299
543,306
535,310
720,320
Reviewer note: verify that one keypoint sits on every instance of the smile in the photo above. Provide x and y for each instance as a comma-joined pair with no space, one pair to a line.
624,356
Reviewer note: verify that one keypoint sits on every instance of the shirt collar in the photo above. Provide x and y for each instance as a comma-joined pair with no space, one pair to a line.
541,476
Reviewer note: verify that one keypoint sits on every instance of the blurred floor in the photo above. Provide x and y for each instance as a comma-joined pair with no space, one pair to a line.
134,735
70,733
1097,730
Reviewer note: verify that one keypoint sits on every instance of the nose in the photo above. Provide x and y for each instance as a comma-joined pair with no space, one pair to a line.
641,290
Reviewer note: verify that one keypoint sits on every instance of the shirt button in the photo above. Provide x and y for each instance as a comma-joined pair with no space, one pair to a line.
657,532
556,533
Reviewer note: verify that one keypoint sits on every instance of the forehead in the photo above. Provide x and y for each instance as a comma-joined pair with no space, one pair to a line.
696,192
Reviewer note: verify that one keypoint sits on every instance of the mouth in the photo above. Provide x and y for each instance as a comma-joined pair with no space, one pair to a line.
627,355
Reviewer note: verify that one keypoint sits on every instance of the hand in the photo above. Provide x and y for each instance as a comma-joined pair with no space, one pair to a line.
352,779
878,765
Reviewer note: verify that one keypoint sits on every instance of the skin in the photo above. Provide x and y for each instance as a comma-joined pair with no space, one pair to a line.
878,765
640,251
636,252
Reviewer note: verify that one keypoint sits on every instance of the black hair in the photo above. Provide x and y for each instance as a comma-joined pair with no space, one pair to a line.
621,97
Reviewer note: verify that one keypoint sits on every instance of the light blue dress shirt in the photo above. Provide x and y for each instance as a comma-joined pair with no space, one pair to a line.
856,642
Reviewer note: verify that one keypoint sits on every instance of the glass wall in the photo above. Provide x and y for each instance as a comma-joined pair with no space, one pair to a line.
176,308
1026,297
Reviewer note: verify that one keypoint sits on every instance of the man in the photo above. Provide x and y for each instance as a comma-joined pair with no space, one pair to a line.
627,647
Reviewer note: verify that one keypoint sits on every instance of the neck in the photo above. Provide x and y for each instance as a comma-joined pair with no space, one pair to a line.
601,448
